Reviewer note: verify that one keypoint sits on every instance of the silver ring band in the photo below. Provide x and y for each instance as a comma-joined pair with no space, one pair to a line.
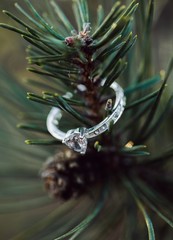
76,139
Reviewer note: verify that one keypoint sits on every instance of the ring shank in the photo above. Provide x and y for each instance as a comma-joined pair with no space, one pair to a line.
55,116
117,111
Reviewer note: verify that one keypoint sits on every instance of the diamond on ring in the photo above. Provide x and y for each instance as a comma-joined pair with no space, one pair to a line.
75,140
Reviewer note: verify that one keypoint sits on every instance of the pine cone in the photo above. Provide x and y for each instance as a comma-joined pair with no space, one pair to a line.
68,175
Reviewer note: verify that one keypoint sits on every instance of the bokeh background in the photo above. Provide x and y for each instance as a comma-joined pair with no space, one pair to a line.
13,66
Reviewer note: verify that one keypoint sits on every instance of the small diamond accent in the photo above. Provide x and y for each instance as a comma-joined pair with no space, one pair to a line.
96,132
104,127
76,141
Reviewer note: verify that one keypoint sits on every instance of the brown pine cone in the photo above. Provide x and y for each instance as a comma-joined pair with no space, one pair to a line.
68,175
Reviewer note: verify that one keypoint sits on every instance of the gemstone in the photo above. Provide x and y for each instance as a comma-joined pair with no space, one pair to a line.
96,132
75,140
104,127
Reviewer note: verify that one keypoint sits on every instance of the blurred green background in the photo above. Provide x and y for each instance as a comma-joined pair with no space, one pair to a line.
13,61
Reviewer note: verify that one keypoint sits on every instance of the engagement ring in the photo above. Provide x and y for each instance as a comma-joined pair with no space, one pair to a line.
76,139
